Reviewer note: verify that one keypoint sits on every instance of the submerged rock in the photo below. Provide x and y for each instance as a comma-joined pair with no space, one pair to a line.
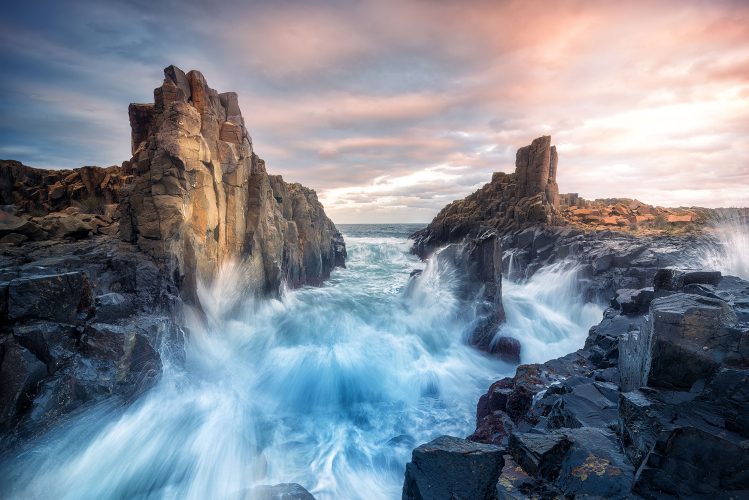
283,491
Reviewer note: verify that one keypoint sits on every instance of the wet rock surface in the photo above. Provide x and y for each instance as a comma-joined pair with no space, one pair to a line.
450,467
81,321
283,491
655,405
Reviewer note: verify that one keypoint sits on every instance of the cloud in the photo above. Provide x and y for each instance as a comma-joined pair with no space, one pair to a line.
392,109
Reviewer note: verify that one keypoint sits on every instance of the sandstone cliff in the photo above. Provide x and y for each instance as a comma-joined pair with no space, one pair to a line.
201,196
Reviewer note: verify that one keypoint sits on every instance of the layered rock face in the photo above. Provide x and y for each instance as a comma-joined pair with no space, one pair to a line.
201,197
529,196
36,190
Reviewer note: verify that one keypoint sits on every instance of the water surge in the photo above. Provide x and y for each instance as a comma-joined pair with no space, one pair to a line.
330,387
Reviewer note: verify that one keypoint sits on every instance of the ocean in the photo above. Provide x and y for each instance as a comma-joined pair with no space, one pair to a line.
330,387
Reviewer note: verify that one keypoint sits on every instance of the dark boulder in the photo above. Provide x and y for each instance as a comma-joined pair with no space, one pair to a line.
539,454
681,442
691,336
516,484
506,348
52,343
56,297
20,373
594,466
674,280
578,462
453,468
495,398
494,428
113,306
578,402
12,227
631,301
125,354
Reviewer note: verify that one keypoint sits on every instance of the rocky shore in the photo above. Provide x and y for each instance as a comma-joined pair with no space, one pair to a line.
98,264
653,406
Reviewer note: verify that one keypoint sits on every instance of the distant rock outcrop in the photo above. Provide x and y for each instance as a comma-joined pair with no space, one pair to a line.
201,197
529,196
37,190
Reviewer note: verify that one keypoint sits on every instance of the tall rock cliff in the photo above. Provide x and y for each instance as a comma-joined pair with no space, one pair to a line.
529,196
201,197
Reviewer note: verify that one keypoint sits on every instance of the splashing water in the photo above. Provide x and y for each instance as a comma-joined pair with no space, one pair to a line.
727,247
547,313
330,387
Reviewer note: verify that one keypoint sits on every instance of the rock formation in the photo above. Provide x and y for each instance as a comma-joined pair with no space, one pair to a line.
449,467
36,190
201,196
659,377
96,264
654,404
529,196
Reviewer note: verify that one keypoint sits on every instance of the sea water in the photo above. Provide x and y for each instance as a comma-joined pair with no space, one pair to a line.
330,387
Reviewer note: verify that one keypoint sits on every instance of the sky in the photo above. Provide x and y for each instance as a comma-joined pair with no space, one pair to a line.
392,109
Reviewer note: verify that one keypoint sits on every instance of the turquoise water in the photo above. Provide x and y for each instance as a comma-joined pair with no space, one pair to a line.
330,387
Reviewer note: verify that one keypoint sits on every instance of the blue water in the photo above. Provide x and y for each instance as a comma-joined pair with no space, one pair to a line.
330,387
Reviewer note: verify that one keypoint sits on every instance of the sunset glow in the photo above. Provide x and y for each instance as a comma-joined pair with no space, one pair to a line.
644,99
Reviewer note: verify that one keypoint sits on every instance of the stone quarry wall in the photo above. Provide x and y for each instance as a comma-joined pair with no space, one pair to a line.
201,197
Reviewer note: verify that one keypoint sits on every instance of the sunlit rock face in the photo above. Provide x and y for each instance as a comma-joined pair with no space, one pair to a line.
202,197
